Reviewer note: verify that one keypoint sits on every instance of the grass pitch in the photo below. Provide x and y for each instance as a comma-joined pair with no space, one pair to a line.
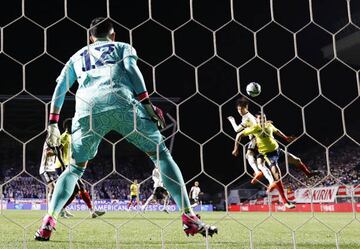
132,230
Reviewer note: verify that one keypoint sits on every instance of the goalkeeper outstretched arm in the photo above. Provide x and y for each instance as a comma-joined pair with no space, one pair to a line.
65,81
138,82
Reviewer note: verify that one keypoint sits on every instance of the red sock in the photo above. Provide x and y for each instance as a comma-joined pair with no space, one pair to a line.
86,197
303,168
129,204
280,188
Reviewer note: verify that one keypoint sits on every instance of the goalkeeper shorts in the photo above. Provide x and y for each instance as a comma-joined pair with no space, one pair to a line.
135,126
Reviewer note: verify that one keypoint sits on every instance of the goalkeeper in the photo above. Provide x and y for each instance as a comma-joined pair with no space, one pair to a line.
111,96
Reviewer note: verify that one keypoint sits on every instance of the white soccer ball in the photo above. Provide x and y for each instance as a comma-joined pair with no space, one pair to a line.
253,89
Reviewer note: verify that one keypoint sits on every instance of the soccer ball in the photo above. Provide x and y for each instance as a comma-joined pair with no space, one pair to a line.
253,89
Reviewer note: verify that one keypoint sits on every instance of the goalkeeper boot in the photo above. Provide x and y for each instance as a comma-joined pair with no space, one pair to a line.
44,232
97,214
257,177
193,225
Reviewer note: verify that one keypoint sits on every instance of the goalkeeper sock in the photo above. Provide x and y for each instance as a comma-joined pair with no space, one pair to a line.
252,162
72,197
173,180
64,188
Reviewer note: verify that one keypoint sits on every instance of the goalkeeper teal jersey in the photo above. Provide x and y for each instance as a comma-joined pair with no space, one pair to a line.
104,84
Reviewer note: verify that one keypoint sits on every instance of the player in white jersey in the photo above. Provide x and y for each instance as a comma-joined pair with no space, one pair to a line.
249,120
47,170
111,96
194,193
159,193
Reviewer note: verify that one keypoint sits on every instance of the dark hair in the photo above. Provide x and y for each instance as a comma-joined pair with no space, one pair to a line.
243,102
67,123
100,27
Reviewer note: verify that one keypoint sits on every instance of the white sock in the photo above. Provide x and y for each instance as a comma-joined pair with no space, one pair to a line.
252,162
147,202
166,202
266,173
49,198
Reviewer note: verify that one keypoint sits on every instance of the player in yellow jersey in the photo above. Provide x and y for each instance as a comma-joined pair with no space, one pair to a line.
62,161
248,120
268,149
134,194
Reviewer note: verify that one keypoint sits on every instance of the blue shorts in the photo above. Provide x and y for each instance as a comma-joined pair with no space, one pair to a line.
133,198
272,158
135,126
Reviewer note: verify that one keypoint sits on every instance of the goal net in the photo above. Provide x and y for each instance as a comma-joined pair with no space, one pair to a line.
196,56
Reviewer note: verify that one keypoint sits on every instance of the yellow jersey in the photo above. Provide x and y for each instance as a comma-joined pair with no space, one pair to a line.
265,141
65,140
134,189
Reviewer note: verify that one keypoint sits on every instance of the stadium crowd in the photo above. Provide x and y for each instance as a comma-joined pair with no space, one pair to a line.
343,162
344,169
114,186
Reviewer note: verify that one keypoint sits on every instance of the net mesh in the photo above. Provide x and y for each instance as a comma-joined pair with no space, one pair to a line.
197,58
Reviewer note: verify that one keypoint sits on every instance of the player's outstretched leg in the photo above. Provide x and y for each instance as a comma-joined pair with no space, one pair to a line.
287,203
266,172
258,174
63,190
87,199
64,213
294,160
174,183
143,208
166,204
279,186
44,232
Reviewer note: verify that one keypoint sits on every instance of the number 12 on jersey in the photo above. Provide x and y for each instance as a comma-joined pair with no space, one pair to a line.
104,58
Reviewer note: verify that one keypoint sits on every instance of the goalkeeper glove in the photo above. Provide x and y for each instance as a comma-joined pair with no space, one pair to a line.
155,112
156,115
53,133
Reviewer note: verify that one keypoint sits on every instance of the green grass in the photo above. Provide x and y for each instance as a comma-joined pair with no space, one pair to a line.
159,230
